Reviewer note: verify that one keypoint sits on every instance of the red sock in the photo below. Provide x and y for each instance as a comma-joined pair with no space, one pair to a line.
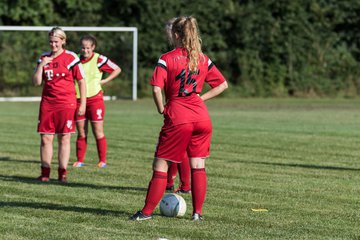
101,147
172,171
81,145
155,191
184,172
198,189
61,172
45,171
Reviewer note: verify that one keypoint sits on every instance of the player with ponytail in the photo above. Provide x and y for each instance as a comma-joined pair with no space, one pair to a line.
94,65
181,74
184,167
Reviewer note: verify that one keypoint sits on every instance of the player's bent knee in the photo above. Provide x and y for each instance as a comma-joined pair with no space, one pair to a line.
196,163
160,165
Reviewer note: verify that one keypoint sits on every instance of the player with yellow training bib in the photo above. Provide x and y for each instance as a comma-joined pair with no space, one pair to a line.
94,65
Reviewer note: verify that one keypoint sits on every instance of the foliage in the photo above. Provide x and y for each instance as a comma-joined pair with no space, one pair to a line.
263,47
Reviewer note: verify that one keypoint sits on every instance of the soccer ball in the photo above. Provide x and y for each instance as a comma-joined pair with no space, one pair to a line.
173,205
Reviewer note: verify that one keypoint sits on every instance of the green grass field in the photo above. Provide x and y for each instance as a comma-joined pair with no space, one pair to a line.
299,159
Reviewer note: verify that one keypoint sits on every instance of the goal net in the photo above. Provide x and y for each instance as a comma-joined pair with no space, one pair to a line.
21,46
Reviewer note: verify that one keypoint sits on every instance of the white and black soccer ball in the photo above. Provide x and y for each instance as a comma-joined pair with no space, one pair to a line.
173,205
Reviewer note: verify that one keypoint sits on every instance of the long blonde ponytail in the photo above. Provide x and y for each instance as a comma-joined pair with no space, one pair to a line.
188,37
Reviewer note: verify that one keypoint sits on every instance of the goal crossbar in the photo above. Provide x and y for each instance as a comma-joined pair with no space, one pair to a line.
91,29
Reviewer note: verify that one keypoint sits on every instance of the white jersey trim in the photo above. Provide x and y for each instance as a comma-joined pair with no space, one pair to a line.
75,61
82,71
104,60
162,62
112,65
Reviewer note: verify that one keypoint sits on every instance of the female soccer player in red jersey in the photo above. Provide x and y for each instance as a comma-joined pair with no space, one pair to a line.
94,65
58,69
187,129
184,167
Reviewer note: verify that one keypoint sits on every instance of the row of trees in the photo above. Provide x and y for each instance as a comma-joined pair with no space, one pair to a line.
263,47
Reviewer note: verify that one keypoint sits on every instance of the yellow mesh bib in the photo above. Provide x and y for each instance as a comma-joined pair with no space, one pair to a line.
93,77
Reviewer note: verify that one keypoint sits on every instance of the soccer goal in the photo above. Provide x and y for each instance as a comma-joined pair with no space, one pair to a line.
132,30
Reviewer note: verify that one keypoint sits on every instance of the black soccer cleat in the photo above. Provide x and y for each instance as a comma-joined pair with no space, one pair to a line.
197,217
181,191
170,189
139,216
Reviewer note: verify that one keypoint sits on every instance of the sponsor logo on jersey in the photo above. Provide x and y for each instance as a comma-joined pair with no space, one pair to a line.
98,113
69,124
49,74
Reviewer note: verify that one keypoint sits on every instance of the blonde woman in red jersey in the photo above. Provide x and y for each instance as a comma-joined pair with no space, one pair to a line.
58,69
94,65
181,74
184,167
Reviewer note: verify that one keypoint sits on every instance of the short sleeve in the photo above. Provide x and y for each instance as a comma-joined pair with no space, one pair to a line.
78,72
214,77
106,65
160,74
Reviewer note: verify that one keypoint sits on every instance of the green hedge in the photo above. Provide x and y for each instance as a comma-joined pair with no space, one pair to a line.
263,47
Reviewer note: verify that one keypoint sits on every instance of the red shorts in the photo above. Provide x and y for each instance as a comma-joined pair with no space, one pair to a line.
192,139
56,121
95,110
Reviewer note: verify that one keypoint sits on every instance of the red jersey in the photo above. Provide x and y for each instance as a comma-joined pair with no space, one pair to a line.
104,63
58,76
94,67
181,86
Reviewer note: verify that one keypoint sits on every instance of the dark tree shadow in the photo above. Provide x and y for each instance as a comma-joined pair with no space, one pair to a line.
52,206
31,180
8,159
311,166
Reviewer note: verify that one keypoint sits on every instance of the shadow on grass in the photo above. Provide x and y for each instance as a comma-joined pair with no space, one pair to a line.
69,184
51,206
306,166
8,159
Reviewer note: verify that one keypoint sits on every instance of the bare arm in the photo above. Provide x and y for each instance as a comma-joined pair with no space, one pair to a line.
111,76
158,99
82,89
214,91
37,77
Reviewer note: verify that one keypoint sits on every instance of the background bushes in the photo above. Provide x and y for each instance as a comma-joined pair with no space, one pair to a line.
266,48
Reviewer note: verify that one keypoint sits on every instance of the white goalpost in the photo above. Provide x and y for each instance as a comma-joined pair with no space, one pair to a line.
92,29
